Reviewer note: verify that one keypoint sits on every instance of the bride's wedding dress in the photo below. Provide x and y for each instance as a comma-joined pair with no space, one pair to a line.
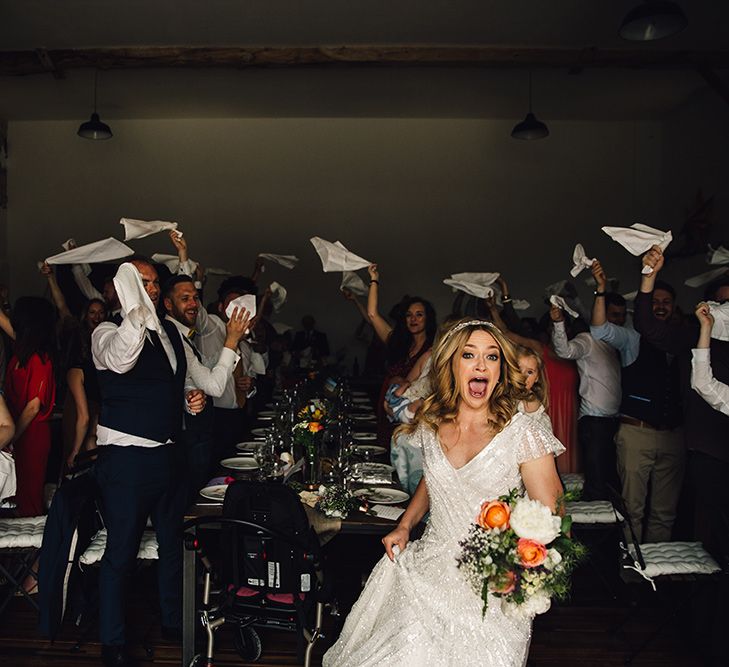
419,610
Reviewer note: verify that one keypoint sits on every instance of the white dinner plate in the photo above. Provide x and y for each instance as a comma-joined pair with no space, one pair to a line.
216,492
364,418
240,463
249,446
267,413
382,495
364,435
264,418
372,450
360,399
360,394
371,468
260,430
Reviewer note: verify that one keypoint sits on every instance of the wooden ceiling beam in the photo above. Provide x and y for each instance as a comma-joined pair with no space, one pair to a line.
20,63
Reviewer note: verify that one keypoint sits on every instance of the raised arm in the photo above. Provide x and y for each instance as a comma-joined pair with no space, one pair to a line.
508,314
380,324
7,426
529,343
56,294
577,348
6,325
599,311
714,392
352,298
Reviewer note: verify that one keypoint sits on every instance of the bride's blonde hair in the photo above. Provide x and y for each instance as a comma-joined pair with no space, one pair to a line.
442,404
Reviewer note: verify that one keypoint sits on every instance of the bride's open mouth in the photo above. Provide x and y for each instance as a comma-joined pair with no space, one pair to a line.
477,387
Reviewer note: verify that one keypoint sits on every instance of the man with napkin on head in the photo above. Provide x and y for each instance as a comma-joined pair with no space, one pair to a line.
649,441
146,383
231,413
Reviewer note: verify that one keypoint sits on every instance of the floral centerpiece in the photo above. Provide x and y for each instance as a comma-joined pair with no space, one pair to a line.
334,501
517,550
308,433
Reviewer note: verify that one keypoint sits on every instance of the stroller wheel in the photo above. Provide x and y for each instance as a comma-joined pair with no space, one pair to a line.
247,643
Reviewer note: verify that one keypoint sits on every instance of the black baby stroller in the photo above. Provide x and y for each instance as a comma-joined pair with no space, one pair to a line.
268,573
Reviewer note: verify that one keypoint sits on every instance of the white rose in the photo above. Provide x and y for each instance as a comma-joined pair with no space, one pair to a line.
533,521
533,605
554,558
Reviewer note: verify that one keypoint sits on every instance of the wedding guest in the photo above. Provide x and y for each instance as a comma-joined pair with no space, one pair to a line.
600,396
30,393
107,295
309,343
408,344
705,428
562,379
536,402
649,441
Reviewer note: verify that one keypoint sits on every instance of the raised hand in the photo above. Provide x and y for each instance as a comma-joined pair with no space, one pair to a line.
703,314
556,313
180,244
236,327
348,294
374,273
598,273
654,259
46,269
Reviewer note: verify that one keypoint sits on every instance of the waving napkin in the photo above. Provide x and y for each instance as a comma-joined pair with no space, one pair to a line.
98,251
70,244
247,301
135,301
215,271
278,295
336,257
638,239
138,229
560,302
479,285
717,257
287,261
172,262
580,260
352,282
720,313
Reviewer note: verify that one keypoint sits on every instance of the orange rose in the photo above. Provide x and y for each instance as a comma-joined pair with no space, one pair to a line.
494,514
506,583
315,427
532,553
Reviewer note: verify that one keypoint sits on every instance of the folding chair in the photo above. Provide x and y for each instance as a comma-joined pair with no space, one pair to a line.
669,565
269,571
20,540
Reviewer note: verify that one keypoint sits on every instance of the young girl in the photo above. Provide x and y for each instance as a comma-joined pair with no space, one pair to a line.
536,404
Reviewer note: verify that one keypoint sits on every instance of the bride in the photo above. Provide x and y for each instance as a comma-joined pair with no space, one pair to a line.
417,608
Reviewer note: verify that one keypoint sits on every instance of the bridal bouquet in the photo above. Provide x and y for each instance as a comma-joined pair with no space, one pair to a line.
517,550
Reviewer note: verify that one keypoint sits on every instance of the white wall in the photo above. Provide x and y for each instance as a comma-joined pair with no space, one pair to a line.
423,198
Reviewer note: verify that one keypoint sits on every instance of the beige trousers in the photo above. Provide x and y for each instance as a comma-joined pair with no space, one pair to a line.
644,455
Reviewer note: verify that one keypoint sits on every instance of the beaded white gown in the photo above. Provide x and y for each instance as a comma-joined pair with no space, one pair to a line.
419,611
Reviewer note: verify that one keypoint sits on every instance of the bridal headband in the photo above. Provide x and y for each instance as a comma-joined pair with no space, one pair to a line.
469,323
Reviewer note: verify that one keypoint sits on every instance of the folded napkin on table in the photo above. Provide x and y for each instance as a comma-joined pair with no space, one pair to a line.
336,257
105,250
638,239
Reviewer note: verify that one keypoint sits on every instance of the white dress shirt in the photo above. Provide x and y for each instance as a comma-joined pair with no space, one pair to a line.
599,368
211,332
703,382
117,348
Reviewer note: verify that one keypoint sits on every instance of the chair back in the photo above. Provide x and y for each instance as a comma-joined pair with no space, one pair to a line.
277,552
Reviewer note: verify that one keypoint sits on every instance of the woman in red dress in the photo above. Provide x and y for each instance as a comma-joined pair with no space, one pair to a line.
30,394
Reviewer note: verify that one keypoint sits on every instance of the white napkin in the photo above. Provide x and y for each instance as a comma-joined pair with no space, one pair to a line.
638,239
720,313
247,301
98,251
561,303
630,296
70,244
172,262
336,257
257,364
138,229
215,271
135,301
706,278
278,295
352,282
580,260
479,285
520,304
388,512
287,261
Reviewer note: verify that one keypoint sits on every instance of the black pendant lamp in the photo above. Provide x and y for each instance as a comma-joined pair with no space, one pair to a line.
94,128
654,19
531,127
